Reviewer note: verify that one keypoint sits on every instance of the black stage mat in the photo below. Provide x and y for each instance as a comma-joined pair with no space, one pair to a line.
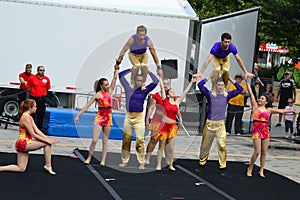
236,184
72,181
187,182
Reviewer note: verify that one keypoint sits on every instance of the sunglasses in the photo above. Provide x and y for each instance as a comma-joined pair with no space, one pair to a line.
41,70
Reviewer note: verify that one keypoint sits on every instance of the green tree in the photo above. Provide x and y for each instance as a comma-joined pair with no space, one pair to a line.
279,20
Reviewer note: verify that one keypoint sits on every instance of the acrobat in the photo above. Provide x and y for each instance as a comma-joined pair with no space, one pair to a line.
138,44
219,54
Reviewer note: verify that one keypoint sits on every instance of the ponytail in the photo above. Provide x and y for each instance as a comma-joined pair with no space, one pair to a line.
24,106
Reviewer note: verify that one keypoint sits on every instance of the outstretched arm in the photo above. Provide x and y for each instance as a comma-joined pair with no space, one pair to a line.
205,64
282,111
35,132
153,53
84,108
123,51
242,65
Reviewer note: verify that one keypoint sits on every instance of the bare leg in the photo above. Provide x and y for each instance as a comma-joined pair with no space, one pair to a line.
96,133
47,154
170,157
23,157
160,150
106,133
167,152
150,147
257,150
20,166
263,156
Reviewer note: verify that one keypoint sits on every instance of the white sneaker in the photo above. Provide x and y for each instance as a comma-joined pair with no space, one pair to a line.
292,137
287,137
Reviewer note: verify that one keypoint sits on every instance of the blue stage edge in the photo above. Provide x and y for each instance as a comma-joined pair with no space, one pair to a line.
60,122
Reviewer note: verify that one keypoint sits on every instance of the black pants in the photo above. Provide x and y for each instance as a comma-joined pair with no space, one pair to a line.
40,111
23,95
236,112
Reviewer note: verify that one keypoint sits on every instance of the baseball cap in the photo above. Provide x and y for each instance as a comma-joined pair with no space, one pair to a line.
238,75
286,73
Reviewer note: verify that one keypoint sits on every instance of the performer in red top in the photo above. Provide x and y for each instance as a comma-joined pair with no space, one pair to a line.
23,77
261,111
169,130
103,119
25,143
38,86
156,122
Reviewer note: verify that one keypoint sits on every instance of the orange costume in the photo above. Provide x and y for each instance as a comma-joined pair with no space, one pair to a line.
24,138
168,131
104,114
260,124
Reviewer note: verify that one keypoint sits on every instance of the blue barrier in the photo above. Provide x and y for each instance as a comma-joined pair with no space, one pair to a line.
60,122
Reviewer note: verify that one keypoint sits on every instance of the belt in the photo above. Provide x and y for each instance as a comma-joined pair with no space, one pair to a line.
38,97
260,121
106,107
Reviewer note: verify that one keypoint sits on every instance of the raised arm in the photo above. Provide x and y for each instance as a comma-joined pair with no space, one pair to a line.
113,81
252,98
163,92
194,80
122,78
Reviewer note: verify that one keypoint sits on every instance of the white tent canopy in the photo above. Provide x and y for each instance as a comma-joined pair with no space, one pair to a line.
172,8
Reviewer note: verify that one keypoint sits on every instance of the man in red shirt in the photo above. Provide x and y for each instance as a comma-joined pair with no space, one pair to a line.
23,77
38,86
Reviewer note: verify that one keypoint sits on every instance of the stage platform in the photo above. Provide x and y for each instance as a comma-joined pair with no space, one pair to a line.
60,122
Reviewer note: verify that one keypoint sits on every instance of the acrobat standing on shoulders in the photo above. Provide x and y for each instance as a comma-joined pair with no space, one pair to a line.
219,54
138,44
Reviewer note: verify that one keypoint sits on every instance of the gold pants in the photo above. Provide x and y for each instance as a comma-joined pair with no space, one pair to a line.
133,120
221,69
139,62
211,130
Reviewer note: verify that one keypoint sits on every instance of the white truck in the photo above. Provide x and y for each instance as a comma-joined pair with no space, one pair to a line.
78,40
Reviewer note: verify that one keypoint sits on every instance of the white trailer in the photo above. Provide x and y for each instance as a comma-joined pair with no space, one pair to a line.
78,40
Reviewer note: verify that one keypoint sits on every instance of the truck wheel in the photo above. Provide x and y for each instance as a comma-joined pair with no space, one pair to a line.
11,108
